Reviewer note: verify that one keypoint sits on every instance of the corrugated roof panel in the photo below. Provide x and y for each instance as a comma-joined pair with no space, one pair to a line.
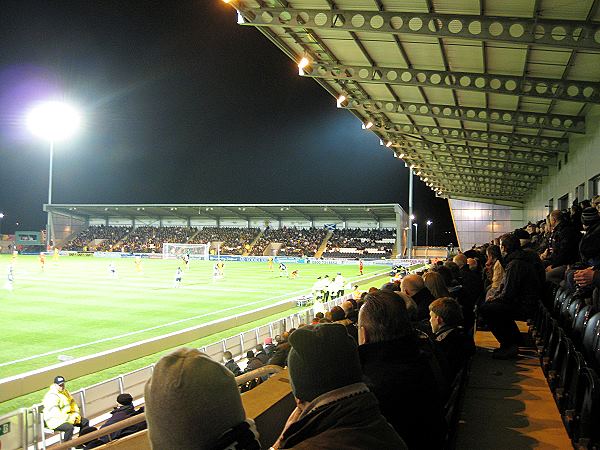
566,107
456,6
385,54
545,133
509,8
501,101
471,98
424,56
324,4
449,123
424,121
439,95
408,93
378,91
565,10
465,54
585,67
400,5
504,60
347,52
535,104
402,118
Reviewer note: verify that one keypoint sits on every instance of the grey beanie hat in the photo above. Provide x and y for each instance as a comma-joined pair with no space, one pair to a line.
191,400
590,216
323,357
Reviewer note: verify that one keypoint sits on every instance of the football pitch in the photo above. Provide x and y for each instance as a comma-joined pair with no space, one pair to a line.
74,307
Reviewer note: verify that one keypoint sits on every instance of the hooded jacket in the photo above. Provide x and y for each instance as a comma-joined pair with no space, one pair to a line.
59,407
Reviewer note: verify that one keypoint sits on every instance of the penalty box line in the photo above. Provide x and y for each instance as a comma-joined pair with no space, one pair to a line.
156,327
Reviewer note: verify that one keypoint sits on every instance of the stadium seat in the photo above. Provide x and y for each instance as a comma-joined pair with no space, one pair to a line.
558,361
590,337
565,394
585,417
549,346
580,323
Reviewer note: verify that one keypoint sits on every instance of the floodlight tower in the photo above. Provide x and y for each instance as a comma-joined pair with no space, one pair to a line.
53,121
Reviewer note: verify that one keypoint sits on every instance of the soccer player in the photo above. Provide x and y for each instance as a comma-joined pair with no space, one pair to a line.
325,287
178,276
10,278
283,272
112,270
42,260
186,261
218,270
360,266
138,264
56,254
317,290
294,274
270,264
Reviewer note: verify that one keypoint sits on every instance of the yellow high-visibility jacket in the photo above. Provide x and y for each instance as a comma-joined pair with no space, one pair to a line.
59,408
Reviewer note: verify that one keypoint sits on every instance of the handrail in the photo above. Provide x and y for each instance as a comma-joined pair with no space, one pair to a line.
138,418
257,373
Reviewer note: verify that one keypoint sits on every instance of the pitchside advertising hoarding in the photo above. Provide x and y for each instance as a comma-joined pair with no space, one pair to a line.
277,259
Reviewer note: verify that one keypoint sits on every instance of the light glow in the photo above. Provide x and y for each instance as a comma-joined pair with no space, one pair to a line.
53,120
341,99
368,125
388,144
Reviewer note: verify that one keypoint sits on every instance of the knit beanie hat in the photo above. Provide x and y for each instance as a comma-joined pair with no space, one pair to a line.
590,216
191,401
323,357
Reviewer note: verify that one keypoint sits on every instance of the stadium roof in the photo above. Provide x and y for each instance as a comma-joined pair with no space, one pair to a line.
310,212
479,95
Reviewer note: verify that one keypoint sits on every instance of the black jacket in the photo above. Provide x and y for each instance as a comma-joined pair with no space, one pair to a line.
523,281
457,345
122,413
253,364
423,299
589,246
262,356
402,379
279,358
564,243
233,368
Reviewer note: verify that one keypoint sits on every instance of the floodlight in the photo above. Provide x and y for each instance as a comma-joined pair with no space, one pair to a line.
367,125
401,155
341,99
412,217
388,144
53,120
429,222
1,215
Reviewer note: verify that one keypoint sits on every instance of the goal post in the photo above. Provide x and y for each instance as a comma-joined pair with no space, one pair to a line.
176,251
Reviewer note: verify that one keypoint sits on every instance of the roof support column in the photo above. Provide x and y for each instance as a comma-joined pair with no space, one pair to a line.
409,236
399,231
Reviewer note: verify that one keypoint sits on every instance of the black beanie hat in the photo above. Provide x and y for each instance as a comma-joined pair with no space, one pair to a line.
323,357
589,216
124,399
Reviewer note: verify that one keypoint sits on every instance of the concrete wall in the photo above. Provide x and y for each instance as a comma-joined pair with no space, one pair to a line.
582,166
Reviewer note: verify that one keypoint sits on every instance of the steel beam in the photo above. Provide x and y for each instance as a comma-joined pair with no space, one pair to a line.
523,119
550,144
465,151
546,88
564,34
510,179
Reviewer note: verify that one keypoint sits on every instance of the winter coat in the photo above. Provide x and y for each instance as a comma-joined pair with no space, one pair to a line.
253,364
423,299
589,246
279,358
402,379
122,413
233,368
262,356
523,282
59,407
457,345
564,243
345,418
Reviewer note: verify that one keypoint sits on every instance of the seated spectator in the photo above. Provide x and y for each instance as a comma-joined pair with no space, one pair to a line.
562,247
447,325
334,407
253,362
261,354
436,285
269,347
589,252
193,402
520,290
339,316
122,412
61,412
349,307
94,443
318,317
231,364
414,287
399,373
282,349
494,270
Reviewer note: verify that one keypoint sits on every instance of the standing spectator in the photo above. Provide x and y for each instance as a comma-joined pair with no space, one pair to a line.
400,375
193,402
521,287
231,364
494,270
447,325
563,246
61,412
335,409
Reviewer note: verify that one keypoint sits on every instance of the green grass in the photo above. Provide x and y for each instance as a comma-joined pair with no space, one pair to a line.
74,308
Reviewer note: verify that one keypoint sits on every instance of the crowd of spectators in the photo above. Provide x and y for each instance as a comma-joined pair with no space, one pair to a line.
108,235
296,241
234,241
356,242
150,239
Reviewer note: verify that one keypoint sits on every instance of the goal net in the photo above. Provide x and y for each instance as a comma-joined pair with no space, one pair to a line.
176,251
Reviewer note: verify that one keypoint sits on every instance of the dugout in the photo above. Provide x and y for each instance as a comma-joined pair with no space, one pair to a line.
67,220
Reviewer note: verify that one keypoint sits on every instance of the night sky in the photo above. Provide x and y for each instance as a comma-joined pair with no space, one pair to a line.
180,105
